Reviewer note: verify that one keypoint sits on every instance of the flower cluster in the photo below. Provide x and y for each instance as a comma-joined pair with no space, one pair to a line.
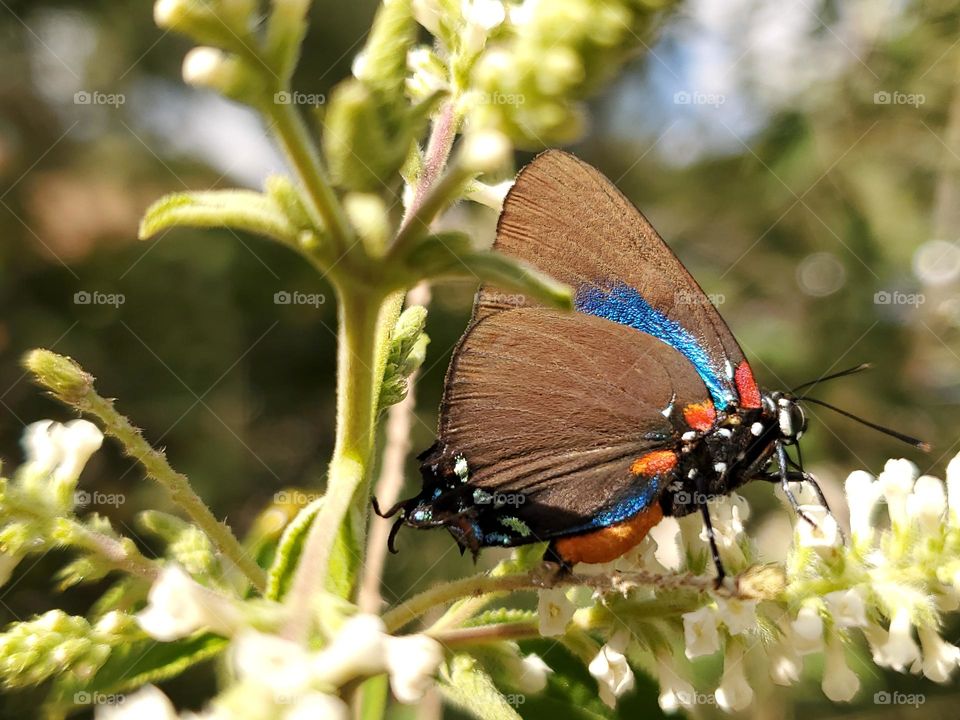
892,582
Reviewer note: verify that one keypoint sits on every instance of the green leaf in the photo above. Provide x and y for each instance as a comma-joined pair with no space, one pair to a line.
288,552
408,348
465,684
451,255
134,664
237,209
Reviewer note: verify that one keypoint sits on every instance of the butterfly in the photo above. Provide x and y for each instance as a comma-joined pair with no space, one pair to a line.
583,429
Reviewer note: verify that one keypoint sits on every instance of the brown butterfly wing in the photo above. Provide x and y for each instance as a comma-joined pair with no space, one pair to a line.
556,407
565,218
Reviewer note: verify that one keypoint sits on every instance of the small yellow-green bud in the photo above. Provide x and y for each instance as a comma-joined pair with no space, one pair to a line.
60,375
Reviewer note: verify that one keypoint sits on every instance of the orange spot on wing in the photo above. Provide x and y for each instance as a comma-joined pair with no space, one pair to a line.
611,542
656,462
700,416
747,386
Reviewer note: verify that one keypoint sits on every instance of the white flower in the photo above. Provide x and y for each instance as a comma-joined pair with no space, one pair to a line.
427,73
318,706
428,14
61,449
178,606
839,683
807,630
493,196
785,663
927,503
281,664
700,632
147,703
610,668
481,16
738,615
863,494
555,611
412,662
675,692
953,490
359,648
824,534
847,607
898,650
734,692
940,658
669,552
167,13
485,151
897,480
532,675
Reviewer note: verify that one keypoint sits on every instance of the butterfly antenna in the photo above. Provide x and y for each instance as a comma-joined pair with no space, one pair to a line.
842,373
919,444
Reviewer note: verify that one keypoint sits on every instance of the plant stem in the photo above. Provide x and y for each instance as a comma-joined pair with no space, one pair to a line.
453,639
305,159
364,322
479,585
115,552
156,466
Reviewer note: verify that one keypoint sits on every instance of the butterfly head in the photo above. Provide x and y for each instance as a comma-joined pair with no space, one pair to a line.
790,417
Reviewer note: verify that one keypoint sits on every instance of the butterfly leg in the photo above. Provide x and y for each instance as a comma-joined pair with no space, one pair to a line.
555,566
708,524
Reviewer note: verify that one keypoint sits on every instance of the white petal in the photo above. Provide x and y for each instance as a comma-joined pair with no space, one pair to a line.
610,668
940,658
738,615
900,650
824,534
807,630
953,490
847,607
700,632
897,480
317,706
666,534
927,503
533,674
863,493
269,659
734,692
555,611
358,649
412,662
675,691
147,703
178,606
840,683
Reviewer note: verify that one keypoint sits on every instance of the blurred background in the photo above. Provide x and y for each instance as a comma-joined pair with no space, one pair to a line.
801,157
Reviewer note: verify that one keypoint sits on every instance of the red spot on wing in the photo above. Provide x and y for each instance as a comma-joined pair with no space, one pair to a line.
653,463
700,416
747,386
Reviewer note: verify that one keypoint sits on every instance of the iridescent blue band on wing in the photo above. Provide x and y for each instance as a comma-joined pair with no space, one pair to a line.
623,304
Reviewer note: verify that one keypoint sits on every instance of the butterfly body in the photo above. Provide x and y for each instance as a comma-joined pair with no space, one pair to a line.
585,428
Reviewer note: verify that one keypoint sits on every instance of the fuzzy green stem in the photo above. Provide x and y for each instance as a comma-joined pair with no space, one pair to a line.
364,321
478,586
116,553
68,382
305,159
462,637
